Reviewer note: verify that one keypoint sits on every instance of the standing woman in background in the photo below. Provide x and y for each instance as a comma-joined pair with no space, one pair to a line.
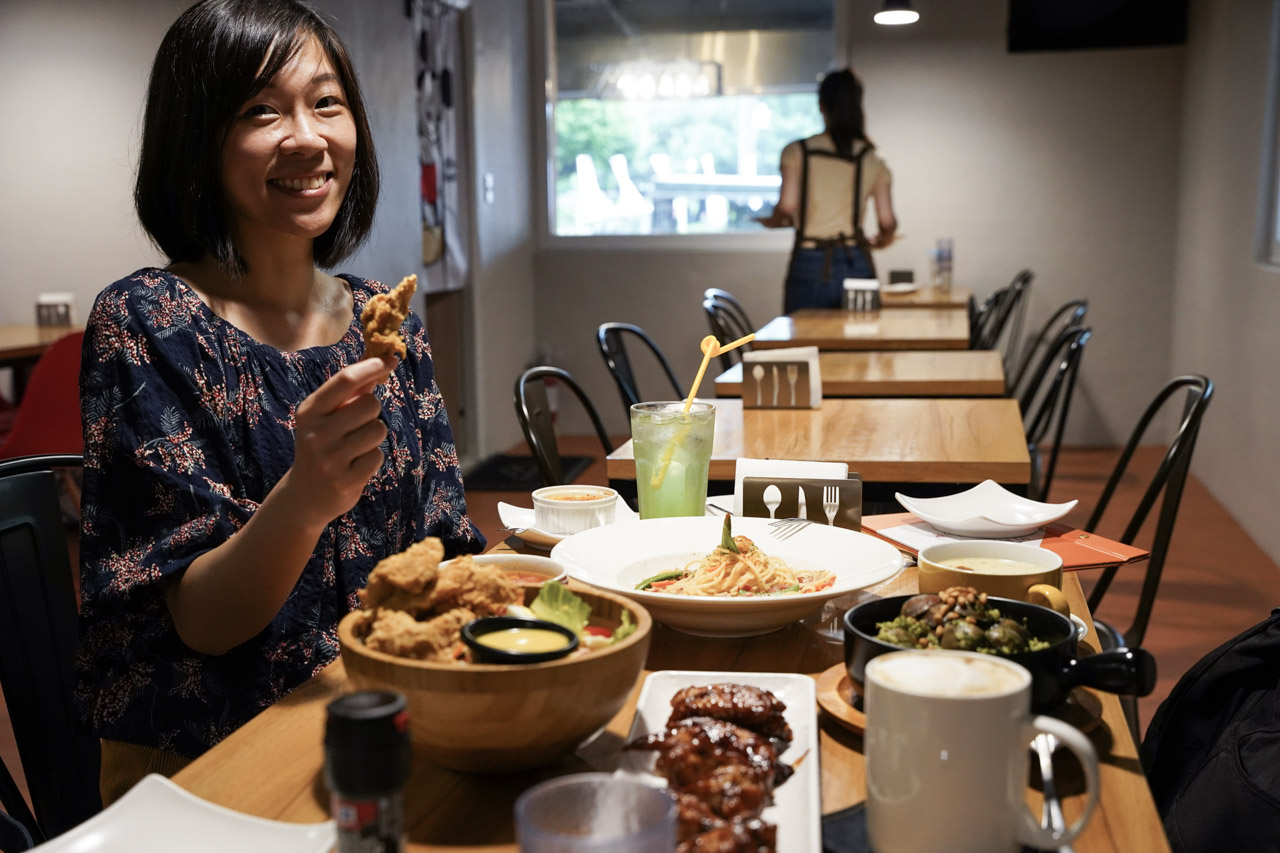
826,180
245,464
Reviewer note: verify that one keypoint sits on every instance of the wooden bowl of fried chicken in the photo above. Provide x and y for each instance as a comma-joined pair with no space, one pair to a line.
485,718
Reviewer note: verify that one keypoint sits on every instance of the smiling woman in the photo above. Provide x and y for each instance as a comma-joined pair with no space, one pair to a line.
246,462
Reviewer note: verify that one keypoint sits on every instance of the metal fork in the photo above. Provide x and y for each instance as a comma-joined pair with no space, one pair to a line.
830,503
785,528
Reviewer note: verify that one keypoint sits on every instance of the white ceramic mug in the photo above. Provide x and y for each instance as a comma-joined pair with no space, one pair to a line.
946,755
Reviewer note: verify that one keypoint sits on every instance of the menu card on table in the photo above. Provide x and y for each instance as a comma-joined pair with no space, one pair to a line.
1078,548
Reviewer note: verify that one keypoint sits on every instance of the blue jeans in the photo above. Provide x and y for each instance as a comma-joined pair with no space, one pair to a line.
807,287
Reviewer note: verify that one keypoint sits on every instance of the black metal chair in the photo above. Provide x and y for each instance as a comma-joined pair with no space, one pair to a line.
1045,407
611,337
727,326
38,633
539,429
1070,314
1170,479
734,305
992,317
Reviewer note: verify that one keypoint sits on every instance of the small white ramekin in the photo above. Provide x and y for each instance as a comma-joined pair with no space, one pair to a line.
565,510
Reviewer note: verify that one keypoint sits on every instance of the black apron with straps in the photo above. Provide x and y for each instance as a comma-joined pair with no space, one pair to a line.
841,241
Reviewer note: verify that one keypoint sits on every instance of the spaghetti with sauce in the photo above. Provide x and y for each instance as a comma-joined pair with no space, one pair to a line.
737,567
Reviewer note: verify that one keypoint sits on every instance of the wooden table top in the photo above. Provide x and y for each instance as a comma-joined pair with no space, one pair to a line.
903,440
887,329
927,297
273,766
897,373
22,342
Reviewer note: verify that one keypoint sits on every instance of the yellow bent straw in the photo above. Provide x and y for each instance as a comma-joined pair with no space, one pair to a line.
710,348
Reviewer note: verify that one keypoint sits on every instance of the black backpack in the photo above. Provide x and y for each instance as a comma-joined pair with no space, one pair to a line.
1212,752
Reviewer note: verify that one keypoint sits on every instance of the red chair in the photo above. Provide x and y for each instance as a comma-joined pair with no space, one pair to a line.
48,417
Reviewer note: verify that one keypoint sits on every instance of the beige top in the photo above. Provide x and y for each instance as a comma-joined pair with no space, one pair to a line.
829,208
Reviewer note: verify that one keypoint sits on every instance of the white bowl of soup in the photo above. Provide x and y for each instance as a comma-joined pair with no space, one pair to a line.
526,569
565,510
1005,569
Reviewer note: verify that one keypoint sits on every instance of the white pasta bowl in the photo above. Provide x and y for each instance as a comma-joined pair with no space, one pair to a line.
617,558
987,511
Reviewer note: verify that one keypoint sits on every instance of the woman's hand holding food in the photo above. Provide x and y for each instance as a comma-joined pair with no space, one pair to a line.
337,443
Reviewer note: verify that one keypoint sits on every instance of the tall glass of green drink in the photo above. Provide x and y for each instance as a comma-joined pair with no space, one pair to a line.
672,450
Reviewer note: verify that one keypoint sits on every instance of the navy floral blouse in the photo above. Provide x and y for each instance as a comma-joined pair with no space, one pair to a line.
188,423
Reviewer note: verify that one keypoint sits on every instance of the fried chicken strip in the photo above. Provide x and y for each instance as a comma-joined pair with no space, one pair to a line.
407,573
382,317
397,633
483,589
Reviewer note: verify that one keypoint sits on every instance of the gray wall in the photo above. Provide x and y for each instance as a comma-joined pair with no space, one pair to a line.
1062,162
80,70
502,295
1225,304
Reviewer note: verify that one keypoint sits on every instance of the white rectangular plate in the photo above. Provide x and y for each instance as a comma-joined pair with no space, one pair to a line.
797,803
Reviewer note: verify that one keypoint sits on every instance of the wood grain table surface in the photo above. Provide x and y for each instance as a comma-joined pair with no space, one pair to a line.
887,329
927,297
897,373
273,766
903,440
19,343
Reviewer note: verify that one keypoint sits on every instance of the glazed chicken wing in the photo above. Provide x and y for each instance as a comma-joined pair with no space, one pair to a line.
382,317
692,749
750,836
740,704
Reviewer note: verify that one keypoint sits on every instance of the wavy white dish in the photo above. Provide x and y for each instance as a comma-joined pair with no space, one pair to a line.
617,557
987,511
520,520
797,803
901,287
157,816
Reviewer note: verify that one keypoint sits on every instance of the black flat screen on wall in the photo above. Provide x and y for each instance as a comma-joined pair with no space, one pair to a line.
1089,24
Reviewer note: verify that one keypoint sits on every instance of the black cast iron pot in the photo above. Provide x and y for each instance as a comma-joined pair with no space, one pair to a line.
1055,671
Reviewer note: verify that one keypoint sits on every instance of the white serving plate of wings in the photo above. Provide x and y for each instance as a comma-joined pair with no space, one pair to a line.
797,802
618,557
987,511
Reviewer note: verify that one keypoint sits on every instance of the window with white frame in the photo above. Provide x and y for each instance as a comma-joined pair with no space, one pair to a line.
669,116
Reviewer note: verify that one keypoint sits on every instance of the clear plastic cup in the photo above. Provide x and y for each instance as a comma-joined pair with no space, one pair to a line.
590,812
672,449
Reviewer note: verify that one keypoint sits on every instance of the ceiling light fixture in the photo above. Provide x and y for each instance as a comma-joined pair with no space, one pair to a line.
896,12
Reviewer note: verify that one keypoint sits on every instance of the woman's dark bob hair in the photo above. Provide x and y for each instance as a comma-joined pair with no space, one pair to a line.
840,95
206,68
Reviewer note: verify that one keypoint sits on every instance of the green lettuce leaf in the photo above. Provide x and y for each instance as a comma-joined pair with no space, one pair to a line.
626,629
555,603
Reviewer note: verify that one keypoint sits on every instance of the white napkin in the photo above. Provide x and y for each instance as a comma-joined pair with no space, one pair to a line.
808,354
783,468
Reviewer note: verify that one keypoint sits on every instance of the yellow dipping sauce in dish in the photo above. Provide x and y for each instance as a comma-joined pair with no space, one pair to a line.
524,640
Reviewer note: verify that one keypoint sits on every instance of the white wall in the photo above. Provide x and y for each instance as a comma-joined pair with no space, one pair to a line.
1062,162
78,74
1225,304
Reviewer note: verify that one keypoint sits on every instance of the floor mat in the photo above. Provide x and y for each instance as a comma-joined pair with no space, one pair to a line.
505,473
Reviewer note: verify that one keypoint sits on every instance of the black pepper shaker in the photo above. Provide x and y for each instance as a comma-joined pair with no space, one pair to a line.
367,759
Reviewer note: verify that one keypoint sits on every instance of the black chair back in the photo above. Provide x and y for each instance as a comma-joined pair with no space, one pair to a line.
38,633
1045,407
734,306
611,337
539,430
994,315
1170,479
1069,314
726,326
